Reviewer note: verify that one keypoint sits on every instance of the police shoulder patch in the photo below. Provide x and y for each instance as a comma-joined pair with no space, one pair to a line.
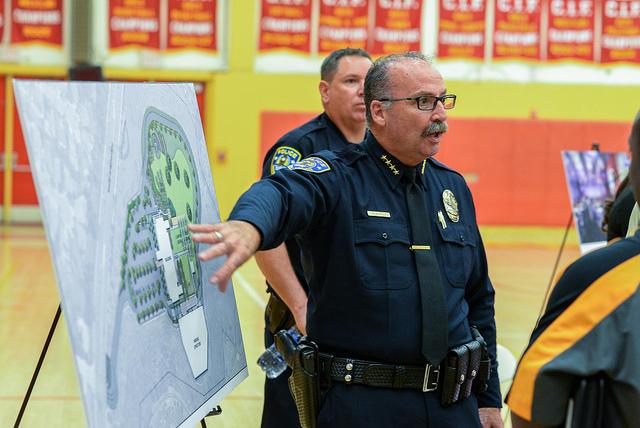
284,157
312,164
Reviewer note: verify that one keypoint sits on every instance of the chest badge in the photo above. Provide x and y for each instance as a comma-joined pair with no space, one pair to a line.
450,205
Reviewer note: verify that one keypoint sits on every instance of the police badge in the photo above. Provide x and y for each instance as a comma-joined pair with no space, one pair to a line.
284,157
450,205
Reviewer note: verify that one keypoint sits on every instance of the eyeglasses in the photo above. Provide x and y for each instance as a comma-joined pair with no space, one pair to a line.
428,102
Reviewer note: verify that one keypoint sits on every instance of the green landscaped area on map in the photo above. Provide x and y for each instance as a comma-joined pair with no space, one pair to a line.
177,191
167,203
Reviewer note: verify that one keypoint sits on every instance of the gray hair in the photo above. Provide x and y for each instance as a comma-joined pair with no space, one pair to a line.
331,62
376,84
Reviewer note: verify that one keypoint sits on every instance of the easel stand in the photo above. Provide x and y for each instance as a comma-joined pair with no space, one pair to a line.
52,329
595,146
214,412
555,266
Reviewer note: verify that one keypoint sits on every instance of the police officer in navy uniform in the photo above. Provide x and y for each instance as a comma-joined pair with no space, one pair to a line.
343,122
352,215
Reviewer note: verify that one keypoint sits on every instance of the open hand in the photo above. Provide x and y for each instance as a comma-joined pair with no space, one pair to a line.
238,240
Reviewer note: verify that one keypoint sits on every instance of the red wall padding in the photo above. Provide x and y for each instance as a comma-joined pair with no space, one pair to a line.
513,167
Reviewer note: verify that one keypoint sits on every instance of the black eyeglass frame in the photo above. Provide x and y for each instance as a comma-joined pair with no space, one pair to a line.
441,98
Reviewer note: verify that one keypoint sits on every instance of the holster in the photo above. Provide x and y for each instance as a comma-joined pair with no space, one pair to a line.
484,370
475,357
304,382
278,314
466,369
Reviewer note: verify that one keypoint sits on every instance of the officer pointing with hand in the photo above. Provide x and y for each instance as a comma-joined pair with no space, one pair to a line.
342,123
400,304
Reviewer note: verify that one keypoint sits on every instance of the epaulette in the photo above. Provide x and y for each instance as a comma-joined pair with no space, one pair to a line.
347,155
440,165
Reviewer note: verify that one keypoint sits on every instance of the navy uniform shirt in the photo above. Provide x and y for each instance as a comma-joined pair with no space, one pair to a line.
349,212
320,133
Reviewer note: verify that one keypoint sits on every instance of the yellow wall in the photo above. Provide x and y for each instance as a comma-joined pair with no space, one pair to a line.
239,96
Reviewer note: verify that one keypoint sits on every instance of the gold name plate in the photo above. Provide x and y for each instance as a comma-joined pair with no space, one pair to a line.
382,214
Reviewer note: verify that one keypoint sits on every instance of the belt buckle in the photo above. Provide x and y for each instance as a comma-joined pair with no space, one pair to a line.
426,387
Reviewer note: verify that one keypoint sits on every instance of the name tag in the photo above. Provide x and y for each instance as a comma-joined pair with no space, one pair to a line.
382,214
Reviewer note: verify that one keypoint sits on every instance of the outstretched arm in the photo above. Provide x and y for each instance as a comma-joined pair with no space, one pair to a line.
270,212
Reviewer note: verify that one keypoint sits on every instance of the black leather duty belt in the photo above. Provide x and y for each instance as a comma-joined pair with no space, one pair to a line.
349,371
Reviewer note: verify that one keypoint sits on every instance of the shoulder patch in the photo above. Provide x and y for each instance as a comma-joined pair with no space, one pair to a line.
284,157
312,164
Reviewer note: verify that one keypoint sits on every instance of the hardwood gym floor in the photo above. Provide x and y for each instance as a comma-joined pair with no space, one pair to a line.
521,260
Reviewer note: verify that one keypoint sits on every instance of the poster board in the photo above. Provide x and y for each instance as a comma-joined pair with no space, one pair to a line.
592,178
120,170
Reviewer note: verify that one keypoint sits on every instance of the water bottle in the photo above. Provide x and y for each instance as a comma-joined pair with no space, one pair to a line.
271,362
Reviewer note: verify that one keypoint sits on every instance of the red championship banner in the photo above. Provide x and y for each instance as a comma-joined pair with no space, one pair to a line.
36,21
461,28
285,24
397,26
1,18
517,29
343,23
620,31
192,24
134,23
571,29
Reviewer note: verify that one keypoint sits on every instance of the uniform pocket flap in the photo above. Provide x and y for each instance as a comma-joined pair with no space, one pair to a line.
380,232
458,235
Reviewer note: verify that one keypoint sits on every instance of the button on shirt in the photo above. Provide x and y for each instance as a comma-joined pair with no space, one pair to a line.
352,224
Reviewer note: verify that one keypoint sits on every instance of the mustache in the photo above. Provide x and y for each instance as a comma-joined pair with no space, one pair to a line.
434,128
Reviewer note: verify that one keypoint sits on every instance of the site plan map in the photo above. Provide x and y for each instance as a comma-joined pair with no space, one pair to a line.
121,169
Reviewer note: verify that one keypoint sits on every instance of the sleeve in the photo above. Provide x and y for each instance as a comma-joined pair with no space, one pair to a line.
480,297
290,201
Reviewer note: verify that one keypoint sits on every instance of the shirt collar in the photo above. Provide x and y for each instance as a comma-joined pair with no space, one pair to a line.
392,169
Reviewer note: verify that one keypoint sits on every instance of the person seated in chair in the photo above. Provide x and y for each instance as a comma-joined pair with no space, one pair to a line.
589,328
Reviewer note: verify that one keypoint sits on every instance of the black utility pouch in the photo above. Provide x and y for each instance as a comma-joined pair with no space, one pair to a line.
278,314
484,370
455,372
475,355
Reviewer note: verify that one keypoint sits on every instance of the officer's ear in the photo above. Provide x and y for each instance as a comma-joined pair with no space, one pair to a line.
323,87
378,112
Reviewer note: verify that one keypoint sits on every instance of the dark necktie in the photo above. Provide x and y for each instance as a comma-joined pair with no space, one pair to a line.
434,308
